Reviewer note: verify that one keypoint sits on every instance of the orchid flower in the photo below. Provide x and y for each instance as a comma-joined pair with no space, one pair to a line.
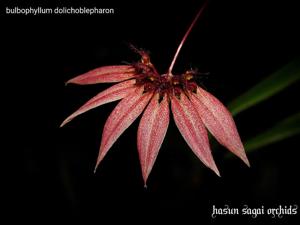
142,90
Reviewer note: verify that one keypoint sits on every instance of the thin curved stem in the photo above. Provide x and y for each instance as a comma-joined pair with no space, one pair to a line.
185,37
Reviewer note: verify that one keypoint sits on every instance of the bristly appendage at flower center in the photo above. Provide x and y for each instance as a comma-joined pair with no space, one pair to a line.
147,76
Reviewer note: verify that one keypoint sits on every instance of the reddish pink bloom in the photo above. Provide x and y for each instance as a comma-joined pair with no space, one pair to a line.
143,90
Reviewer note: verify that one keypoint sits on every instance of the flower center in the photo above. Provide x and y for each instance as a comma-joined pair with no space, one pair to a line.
147,75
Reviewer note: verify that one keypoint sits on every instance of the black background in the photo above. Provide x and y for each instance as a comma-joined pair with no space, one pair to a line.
51,168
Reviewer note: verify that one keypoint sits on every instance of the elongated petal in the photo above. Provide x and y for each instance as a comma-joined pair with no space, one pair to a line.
151,133
111,94
105,74
219,122
121,118
192,129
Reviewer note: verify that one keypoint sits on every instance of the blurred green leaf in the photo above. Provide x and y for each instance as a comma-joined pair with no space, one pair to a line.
268,87
284,129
